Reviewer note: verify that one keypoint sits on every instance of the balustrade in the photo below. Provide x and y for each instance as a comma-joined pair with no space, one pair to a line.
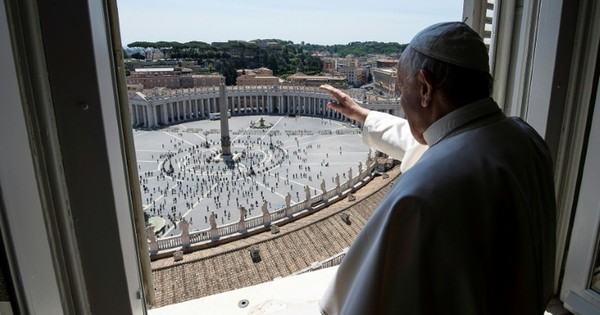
195,237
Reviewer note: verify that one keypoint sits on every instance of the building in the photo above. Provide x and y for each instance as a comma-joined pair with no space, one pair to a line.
172,78
263,71
317,80
354,69
201,80
133,64
253,79
384,81
70,218
158,77
260,76
329,65
387,63
356,76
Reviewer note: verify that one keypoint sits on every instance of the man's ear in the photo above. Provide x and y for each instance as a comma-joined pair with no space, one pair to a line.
426,90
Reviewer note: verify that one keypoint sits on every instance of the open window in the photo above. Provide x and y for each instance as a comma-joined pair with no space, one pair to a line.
72,247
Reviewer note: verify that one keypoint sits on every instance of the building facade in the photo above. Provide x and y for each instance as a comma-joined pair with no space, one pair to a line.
172,78
387,63
384,81
318,80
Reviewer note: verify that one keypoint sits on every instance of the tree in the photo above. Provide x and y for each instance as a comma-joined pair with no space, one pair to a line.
283,57
137,55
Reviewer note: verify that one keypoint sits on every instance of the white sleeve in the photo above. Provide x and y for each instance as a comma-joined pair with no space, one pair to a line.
391,135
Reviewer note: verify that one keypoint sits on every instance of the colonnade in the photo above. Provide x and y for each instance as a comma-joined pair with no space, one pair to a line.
159,110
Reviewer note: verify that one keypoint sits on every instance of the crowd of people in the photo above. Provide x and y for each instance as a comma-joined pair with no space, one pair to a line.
188,179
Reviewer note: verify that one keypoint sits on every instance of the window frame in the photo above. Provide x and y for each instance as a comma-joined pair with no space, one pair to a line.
36,248
544,59
583,247
68,198
25,233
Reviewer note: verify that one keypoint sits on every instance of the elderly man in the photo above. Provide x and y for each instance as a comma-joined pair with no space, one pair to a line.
469,228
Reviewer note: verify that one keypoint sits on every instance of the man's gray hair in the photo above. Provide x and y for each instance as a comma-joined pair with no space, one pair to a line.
412,61
460,85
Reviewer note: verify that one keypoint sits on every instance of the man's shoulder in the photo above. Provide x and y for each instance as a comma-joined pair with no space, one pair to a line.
474,155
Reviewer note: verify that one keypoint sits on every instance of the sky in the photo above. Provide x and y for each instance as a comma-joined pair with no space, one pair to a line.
312,21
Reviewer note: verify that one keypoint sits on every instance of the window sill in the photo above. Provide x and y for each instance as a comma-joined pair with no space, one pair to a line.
298,294
293,295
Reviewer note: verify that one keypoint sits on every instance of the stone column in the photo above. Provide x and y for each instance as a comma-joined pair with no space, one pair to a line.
188,109
294,104
306,103
165,114
134,114
268,107
140,112
180,111
183,104
289,104
200,103
208,102
280,98
225,140
173,111
145,115
154,116
204,107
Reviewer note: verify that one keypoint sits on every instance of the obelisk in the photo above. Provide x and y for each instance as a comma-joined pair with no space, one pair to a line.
225,141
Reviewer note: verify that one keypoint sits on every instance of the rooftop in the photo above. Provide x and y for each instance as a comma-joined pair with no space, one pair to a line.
154,69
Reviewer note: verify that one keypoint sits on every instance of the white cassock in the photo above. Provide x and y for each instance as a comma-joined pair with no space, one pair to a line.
468,229
391,135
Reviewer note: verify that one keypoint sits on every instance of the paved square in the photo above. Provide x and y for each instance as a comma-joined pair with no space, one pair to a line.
179,176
